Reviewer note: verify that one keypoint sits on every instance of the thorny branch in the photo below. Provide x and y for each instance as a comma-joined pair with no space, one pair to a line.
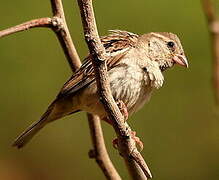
58,24
213,24
127,147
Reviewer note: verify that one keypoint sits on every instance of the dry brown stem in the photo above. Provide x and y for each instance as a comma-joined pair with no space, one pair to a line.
213,25
127,147
99,152
58,24
64,36
41,22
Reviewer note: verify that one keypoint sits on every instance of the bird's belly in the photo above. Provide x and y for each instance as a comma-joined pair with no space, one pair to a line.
144,97
126,84
128,92
89,101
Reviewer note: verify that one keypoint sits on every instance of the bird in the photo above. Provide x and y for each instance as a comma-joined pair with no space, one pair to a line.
135,67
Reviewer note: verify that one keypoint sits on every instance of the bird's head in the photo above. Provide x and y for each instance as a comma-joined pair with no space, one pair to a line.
165,49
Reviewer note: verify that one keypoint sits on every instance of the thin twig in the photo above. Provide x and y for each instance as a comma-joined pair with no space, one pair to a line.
59,26
99,152
64,36
213,25
41,22
127,146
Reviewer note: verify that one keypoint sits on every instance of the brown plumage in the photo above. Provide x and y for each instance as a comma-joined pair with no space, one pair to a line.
135,67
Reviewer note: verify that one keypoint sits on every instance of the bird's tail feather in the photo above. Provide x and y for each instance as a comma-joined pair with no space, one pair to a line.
28,134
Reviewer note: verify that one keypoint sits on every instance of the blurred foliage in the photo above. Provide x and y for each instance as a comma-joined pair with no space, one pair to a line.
179,126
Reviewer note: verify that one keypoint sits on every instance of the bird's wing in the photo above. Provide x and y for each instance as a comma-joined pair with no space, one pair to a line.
117,44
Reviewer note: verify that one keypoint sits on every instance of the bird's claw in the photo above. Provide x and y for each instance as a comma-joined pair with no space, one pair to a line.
123,109
138,142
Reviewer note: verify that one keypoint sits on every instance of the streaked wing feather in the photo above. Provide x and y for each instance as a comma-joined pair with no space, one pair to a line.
74,84
117,44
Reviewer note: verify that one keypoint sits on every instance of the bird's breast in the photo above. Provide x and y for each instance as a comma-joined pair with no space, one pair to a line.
127,84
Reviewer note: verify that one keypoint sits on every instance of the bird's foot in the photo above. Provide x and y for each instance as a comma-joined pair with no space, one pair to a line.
123,109
139,143
137,140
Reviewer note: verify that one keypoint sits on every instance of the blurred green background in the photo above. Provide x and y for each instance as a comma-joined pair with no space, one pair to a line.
179,127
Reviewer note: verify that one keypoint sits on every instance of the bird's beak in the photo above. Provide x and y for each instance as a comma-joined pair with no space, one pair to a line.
181,60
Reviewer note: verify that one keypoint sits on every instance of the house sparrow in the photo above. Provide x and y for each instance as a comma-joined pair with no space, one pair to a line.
135,67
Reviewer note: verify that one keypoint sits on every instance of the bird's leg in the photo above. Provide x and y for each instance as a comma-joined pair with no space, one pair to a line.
107,120
123,109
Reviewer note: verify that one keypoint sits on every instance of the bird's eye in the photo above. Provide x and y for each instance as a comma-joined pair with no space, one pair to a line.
170,44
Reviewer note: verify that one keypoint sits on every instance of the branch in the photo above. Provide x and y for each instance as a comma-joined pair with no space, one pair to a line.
58,24
213,25
135,162
100,152
64,36
41,22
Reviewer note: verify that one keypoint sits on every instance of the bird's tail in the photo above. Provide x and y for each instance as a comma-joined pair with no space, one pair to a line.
28,134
